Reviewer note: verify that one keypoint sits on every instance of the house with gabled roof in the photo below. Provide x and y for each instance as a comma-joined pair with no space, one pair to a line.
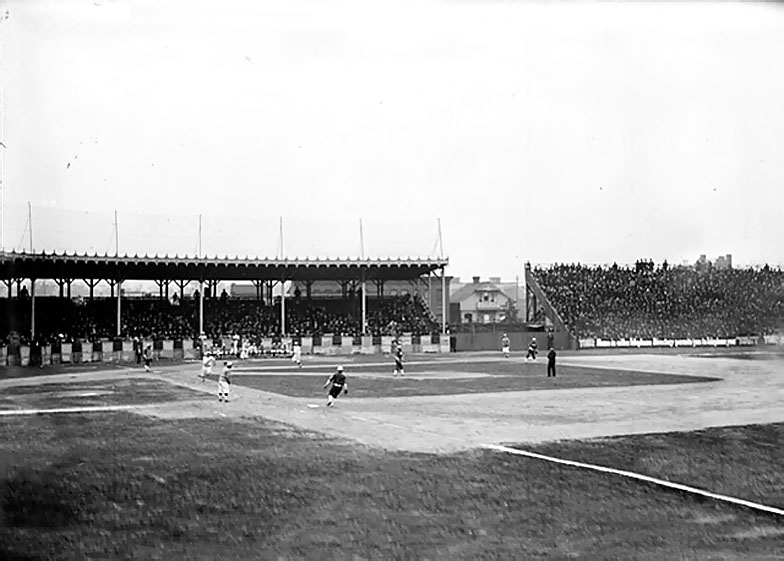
485,301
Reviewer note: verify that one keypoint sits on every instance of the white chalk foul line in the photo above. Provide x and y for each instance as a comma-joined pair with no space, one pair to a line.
640,477
97,408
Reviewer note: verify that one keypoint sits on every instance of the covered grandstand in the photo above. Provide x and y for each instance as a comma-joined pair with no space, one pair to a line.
365,312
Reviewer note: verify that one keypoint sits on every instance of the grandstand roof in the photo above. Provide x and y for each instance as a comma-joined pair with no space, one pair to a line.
23,265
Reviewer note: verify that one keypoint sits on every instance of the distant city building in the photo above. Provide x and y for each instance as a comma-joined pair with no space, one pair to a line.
723,262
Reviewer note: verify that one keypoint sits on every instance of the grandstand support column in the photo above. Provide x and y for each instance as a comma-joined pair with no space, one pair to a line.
258,284
443,300
119,307
364,305
32,310
283,307
91,284
201,307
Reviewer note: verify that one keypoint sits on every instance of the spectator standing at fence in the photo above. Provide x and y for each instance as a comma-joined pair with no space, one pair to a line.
551,363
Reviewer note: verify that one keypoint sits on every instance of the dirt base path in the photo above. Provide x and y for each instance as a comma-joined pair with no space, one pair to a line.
749,392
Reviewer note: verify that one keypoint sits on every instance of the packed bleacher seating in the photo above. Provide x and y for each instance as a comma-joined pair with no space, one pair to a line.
648,301
90,320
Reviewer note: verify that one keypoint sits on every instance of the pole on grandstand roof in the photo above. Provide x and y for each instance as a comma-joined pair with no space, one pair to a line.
116,236
30,221
440,241
281,238
361,240
443,279
32,280
201,288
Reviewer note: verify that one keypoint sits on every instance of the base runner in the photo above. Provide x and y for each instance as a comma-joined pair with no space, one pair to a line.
339,383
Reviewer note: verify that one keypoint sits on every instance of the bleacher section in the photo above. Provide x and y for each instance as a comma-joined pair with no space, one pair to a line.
648,303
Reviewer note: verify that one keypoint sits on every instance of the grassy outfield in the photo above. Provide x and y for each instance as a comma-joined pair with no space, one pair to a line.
734,461
502,377
52,369
76,394
121,486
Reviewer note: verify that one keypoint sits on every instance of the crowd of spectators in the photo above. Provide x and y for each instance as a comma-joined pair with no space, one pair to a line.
59,319
648,301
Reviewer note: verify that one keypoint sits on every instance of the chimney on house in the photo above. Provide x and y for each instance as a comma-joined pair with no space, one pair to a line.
476,280
495,280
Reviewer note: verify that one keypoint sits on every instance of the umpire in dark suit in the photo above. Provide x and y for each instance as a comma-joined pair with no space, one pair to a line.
551,362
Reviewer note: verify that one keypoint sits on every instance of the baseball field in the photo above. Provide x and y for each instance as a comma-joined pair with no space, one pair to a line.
119,463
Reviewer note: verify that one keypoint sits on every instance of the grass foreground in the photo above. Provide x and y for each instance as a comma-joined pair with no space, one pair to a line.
127,486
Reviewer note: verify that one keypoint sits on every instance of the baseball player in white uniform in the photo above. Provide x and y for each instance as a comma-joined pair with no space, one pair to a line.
296,357
206,366
224,382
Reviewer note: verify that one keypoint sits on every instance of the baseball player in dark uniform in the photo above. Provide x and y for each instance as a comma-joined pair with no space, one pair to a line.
147,358
399,360
551,362
339,384
532,348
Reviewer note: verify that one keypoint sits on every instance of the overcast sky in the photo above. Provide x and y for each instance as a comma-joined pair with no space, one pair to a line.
537,131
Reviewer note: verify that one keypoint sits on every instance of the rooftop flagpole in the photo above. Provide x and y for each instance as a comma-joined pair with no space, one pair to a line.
443,279
32,280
